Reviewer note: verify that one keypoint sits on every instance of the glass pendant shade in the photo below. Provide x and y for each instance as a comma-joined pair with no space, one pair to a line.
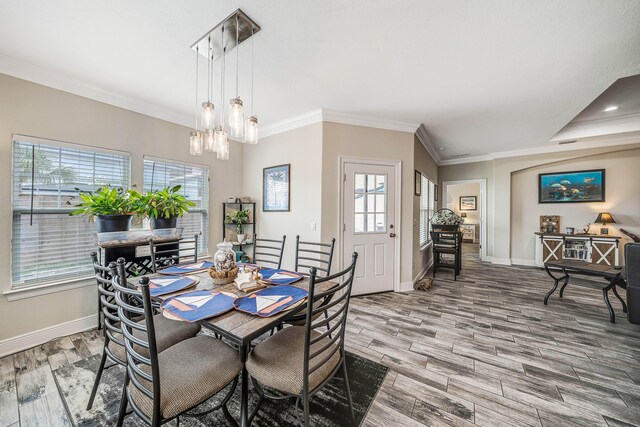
236,117
195,143
207,115
223,153
219,138
209,140
251,131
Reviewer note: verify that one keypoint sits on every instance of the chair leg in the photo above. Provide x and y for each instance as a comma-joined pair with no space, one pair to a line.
96,383
348,390
305,404
123,402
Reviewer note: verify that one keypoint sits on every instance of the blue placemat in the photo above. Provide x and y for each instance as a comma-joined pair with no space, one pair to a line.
248,266
191,268
277,276
270,301
168,285
198,305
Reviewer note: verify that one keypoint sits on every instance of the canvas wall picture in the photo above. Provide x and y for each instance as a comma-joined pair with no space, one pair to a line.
276,189
572,187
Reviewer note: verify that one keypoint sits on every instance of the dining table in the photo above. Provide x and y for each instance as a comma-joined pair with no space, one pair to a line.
240,328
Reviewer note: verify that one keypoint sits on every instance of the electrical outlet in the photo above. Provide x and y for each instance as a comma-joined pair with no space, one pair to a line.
312,226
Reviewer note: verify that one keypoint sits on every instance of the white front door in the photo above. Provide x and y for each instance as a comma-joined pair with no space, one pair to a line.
370,225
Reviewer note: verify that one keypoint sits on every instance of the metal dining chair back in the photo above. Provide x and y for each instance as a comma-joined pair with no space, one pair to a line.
166,254
268,251
314,254
108,309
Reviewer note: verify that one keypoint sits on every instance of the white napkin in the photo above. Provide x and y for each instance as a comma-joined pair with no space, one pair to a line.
163,282
197,301
263,302
242,279
279,276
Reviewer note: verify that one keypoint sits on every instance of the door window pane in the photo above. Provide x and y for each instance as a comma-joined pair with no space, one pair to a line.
370,203
359,223
360,182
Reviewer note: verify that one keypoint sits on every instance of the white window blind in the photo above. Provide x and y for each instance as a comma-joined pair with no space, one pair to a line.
194,180
48,245
432,205
424,210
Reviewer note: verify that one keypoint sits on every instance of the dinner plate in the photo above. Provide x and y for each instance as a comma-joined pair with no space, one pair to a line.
199,305
271,301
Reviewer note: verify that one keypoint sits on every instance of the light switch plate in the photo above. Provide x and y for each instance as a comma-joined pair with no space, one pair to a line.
312,226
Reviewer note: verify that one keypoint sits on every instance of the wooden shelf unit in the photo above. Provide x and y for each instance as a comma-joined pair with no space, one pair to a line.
599,249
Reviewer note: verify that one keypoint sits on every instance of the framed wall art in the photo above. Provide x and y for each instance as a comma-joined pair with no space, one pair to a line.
572,187
417,183
276,188
468,203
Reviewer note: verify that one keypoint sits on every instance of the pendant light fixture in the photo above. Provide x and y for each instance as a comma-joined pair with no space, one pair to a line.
195,136
215,137
236,115
251,131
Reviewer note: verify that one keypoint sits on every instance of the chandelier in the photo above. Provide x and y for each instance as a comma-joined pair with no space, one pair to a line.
210,134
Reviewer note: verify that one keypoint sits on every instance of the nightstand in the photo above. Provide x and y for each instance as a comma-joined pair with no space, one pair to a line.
469,232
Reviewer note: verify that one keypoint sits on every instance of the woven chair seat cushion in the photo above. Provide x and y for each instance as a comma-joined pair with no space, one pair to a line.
277,362
168,333
191,372
301,319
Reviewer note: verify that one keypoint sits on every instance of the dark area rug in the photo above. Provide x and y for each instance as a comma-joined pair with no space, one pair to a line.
328,407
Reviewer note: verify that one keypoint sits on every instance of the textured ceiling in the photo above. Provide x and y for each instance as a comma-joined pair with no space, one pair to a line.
483,76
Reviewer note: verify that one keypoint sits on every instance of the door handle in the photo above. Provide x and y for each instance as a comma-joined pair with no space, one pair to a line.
392,234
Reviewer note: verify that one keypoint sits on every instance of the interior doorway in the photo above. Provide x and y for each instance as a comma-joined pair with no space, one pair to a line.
468,198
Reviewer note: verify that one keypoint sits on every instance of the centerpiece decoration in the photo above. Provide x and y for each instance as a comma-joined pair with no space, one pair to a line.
239,218
162,207
224,268
446,220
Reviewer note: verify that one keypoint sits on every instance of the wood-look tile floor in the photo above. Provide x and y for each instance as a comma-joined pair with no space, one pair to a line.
483,350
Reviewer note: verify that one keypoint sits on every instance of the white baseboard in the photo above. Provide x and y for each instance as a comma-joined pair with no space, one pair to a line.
501,261
408,286
32,339
525,262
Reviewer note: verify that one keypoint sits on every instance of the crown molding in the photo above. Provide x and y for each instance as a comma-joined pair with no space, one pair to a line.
427,143
333,116
36,74
586,144
598,127
295,122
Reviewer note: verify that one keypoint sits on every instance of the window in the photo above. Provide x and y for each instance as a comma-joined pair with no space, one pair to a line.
194,180
427,208
370,200
48,245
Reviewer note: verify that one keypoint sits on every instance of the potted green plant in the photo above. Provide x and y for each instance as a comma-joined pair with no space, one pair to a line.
239,218
162,207
110,207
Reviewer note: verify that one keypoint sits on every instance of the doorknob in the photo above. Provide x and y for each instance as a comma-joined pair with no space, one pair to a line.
392,234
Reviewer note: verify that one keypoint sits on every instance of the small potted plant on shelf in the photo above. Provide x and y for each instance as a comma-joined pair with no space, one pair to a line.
446,220
239,218
110,207
162,207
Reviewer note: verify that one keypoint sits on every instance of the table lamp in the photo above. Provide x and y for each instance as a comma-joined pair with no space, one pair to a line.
605,218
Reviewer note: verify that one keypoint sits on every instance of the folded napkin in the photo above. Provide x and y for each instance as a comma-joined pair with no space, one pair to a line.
187,268
280,277
159,286
199,305
270,301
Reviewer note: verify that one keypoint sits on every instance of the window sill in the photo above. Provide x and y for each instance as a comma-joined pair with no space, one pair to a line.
49,288
426,245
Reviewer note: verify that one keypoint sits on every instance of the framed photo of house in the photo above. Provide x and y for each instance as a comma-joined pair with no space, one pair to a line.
468,203
417,183
276,188
572,187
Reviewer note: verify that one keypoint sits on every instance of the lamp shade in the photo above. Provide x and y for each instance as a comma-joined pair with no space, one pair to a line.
605,218
463,214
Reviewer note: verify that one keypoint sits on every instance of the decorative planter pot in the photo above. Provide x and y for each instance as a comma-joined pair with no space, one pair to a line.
241,238
159,223
111,223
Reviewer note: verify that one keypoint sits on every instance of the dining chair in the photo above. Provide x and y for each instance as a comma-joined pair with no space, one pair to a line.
168,331
314,254
163,386
268,251
166,254
299,360
449,243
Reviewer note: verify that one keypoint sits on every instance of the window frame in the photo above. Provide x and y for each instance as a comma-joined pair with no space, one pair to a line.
428,192
205,209
19,289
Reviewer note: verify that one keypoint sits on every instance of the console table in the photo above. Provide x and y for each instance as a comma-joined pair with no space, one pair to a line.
612,274
600,249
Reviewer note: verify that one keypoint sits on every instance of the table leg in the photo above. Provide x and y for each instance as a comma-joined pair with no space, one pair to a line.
615,292
244,387
564,285
605,296
556,280
553,289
